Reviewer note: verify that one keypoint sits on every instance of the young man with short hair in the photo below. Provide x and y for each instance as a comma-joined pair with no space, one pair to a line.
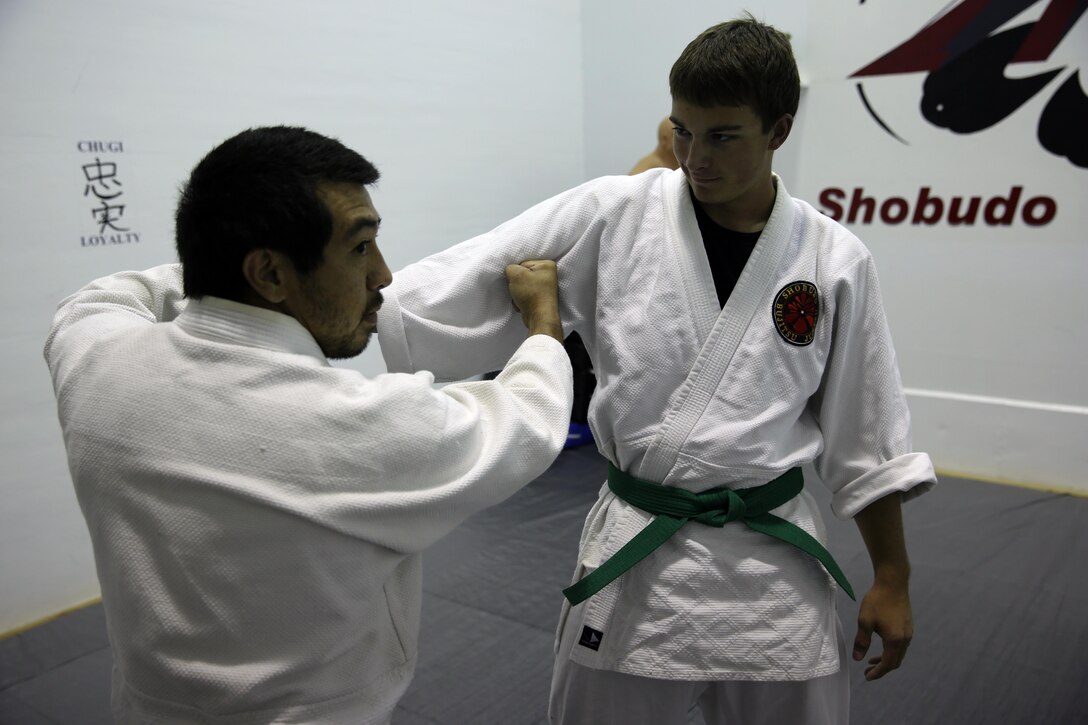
258,515
736,334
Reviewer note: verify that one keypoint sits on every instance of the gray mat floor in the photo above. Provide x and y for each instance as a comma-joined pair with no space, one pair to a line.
999,591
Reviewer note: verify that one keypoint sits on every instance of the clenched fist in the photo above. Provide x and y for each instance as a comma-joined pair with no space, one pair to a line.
534,287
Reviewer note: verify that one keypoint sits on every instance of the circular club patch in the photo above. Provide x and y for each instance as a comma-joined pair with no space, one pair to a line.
795,312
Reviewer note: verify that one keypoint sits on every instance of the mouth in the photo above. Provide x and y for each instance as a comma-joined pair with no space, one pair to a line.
371,315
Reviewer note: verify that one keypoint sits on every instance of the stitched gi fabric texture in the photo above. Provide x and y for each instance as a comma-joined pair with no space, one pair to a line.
694,396
258,515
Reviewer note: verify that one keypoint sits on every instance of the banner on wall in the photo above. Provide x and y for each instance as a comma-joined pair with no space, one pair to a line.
110,222
964,53
961,116
950,137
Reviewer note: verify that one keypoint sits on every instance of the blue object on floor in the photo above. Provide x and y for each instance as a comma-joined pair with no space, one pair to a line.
579,434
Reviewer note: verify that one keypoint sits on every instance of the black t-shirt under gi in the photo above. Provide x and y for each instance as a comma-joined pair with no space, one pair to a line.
726,250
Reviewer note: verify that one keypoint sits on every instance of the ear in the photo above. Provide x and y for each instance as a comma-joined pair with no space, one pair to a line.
265,272
780,132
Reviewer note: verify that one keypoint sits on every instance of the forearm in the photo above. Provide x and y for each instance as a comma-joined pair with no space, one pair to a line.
424,335
881,527
450,313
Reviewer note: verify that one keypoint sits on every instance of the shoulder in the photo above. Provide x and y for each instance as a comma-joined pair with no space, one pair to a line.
639,188
644,164
837,246
615,185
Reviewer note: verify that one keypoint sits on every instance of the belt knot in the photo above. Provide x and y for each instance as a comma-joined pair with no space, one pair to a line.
722,507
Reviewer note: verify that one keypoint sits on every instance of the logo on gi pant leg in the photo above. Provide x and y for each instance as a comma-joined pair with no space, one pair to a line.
591,638
795,311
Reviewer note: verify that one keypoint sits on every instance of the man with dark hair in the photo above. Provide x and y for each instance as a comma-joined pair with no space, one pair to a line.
258,191
736,334
257,515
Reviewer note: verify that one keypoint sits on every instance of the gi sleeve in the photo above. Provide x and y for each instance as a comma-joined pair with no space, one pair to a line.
441,455
861,407
451,313
109,305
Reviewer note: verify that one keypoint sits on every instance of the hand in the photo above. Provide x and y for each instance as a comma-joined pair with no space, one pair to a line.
534,287
885,609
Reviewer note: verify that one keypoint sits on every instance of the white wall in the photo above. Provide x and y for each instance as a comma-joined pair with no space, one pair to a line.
475,110
471,109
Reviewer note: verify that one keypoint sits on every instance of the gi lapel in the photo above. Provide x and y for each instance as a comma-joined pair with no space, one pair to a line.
724,334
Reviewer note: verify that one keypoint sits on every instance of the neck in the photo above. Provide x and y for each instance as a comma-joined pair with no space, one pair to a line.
251,297
748,213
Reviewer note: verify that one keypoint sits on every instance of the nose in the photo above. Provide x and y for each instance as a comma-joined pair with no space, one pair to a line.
695,156
378,276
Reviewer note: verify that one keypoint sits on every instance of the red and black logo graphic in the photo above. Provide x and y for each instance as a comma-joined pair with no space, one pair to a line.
795,311
966,50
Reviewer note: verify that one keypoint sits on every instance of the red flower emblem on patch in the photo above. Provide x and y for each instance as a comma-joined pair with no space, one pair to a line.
801,313
795,312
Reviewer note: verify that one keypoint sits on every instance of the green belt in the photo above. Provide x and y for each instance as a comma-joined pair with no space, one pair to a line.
674,507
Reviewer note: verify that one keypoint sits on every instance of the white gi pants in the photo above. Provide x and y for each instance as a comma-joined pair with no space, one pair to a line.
584,696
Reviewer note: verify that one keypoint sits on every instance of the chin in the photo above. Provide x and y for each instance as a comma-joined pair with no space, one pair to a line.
344,349
706,196
716,196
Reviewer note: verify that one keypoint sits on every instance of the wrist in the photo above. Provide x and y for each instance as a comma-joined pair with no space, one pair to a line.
547,323
551,330
893,575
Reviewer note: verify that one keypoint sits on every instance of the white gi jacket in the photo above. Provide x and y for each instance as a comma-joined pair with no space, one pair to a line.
257,515
694,396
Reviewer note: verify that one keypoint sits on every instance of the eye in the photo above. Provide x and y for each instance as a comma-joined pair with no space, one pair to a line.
723,137
361,248
680,132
